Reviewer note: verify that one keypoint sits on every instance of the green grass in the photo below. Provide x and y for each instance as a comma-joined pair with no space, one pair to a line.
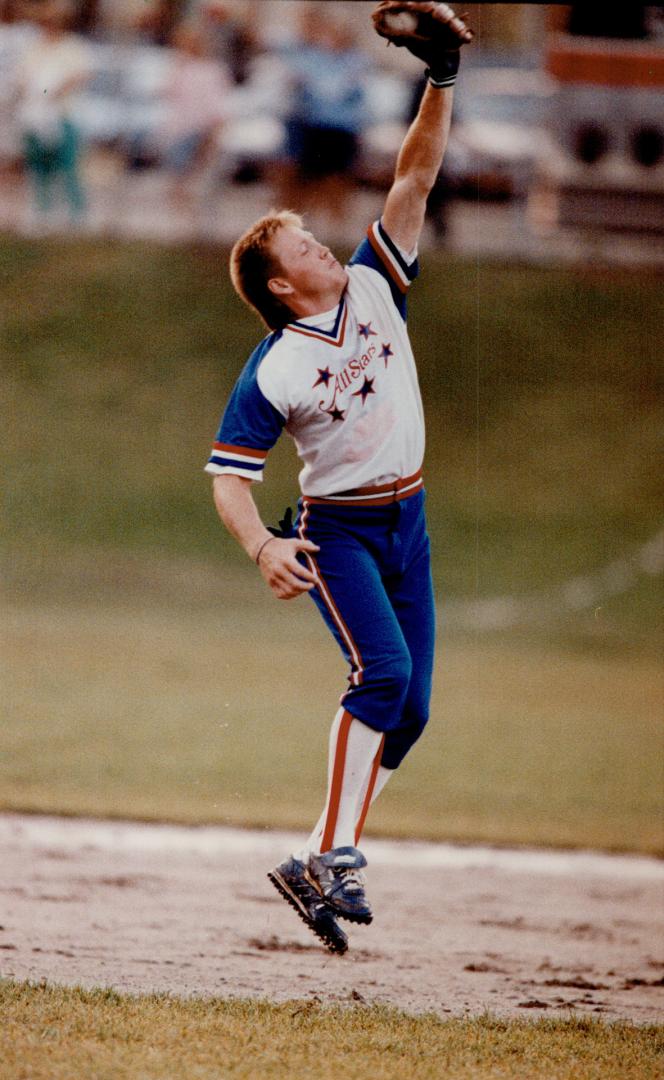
542,389
56,1034
149,671
203,707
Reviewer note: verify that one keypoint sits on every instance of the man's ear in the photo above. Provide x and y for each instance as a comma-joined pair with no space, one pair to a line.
280,287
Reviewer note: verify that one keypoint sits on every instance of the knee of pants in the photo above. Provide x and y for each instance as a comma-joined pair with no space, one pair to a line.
398,744
416,708
385,690
400,741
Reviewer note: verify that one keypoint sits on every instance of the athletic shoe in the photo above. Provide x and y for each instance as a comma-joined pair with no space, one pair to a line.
338,876
291,881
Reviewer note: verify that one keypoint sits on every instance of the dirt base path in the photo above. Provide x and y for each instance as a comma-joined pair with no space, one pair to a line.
457,930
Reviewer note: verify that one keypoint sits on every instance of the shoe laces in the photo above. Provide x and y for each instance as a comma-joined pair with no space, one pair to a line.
351,877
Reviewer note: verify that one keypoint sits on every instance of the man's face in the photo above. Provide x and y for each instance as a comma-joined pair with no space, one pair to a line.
309,267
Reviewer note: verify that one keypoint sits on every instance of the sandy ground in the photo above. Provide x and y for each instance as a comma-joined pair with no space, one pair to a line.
458,930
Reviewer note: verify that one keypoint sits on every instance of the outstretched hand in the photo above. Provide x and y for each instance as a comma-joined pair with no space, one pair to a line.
429,30
279,565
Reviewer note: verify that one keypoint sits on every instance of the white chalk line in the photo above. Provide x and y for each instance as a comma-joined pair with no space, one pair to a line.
576,595
126,837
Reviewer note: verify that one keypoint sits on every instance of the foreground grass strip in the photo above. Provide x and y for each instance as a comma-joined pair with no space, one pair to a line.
50,1033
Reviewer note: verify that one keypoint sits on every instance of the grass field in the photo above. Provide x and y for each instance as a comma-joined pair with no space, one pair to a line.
52,1034
149,673
159,712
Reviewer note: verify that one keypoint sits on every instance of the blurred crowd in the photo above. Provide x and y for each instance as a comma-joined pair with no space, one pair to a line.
156,117
203,99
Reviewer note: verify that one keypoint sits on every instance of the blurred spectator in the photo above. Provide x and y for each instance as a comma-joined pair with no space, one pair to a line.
195,96
85,16
328,107
54,67
158,21
228,39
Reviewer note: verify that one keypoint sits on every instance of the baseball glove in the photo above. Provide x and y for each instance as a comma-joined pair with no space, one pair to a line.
429,30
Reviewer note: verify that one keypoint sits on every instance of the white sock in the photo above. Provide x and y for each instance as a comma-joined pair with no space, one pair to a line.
354,752
361,810
368,797
313,843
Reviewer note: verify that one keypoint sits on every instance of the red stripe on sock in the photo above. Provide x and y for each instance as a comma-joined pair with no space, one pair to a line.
337,783
370,790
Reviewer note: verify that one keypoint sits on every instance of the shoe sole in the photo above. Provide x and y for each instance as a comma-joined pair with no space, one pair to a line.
335,946
350,916
363,920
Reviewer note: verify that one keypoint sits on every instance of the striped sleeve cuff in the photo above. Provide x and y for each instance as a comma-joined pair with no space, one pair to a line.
401,273
239,460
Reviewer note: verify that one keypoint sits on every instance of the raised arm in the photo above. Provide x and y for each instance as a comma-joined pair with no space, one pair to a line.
276,558
418,165
432,32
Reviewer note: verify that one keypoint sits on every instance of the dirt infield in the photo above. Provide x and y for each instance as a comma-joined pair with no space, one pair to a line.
457,930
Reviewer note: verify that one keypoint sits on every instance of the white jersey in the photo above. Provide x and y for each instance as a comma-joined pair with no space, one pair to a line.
343,384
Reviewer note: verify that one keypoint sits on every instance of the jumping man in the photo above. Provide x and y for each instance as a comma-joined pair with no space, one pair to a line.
337,373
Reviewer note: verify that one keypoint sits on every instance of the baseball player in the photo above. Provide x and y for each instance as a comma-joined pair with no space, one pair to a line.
337,373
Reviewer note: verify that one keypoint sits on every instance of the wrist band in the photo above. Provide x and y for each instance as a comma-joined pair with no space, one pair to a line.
260,550
446,67
441,84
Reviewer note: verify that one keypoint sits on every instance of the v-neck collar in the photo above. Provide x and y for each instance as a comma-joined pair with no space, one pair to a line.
313,325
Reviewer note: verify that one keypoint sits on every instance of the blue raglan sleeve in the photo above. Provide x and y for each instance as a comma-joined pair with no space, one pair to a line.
250,425
379,252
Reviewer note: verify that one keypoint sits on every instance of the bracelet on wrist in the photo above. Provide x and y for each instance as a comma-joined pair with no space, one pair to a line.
260,550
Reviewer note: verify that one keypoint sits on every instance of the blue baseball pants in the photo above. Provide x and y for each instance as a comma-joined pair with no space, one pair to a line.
376,597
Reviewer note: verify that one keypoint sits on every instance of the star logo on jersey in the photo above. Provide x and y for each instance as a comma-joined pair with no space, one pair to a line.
365,389
336,414
365,331
386,352
324,376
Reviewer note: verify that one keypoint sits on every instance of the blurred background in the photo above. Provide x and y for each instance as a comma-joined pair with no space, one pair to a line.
148,673
180,118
